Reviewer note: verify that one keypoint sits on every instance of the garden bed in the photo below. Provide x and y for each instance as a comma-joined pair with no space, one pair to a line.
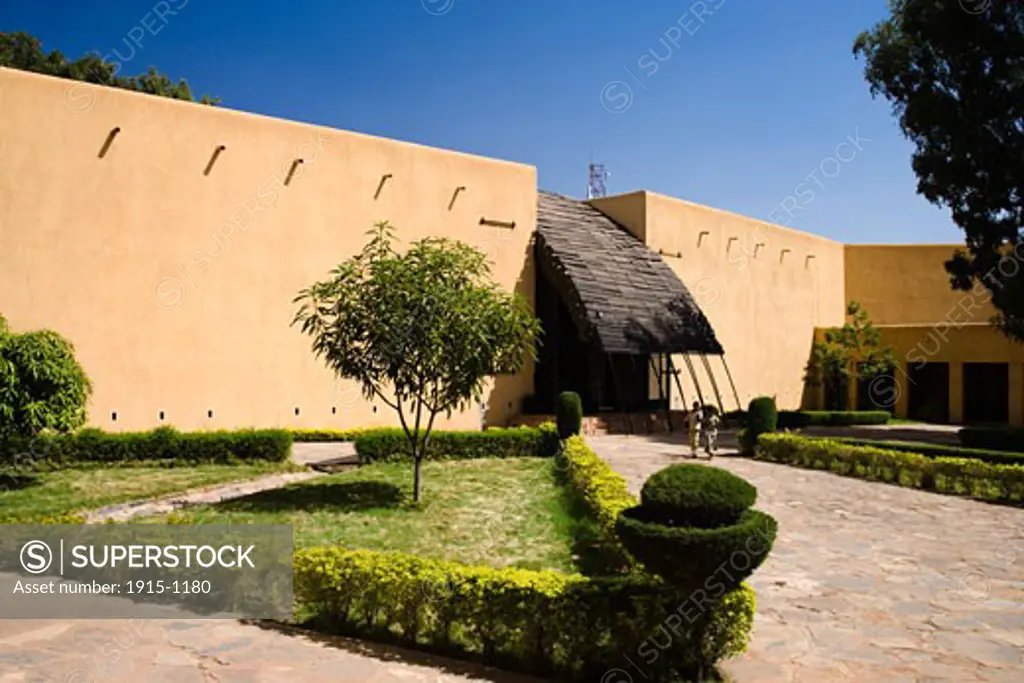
500,513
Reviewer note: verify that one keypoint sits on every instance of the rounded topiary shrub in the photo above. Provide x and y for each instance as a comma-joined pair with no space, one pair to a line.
569,414
762,417
693,557
695,528
695,495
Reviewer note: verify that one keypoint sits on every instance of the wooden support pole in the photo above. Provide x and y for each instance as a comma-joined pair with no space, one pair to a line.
714,384
739,406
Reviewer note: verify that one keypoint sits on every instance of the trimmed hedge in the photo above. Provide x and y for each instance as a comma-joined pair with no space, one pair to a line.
762,416
795,419
569,414
953,476
1002,438
601,491
325,435
938,450
543,622
164,444
392,445
691,557
696,496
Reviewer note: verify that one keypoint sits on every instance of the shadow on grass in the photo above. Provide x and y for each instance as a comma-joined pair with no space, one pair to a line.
349,496
17,482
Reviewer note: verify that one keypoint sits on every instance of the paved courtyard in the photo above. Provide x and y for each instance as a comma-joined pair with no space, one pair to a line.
183,651
867,581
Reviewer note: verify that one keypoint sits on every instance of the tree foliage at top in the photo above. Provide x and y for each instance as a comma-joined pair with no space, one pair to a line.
954,73
23,51
854,351
421,331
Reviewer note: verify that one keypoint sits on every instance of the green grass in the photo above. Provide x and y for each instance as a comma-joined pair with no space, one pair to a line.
494,512
43,494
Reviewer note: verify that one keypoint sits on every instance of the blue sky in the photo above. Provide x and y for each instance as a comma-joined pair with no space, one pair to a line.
739,104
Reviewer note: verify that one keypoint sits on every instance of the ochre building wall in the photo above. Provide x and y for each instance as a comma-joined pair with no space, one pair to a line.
174,278
764,288
906,291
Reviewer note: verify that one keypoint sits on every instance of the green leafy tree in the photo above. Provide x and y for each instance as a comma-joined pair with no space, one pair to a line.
23,51
853,351
42,386
954,73
421,331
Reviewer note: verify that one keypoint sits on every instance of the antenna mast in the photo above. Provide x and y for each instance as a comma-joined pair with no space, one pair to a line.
595,183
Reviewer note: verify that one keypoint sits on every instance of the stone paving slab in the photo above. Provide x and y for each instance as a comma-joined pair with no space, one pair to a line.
307,454
212,651
208,495
868,581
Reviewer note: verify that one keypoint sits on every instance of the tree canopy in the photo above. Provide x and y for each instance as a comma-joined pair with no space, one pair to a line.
42,386
954,73
23,51
420,331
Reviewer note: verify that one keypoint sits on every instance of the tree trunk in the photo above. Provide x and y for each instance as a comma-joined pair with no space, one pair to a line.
416,478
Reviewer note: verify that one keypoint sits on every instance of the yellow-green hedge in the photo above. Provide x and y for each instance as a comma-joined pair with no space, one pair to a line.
600,489
317,435
954,476
540,621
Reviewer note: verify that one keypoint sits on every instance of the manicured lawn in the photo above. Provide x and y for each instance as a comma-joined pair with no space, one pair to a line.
490,511
44,494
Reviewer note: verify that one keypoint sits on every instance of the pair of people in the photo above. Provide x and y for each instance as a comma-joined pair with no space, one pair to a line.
702,422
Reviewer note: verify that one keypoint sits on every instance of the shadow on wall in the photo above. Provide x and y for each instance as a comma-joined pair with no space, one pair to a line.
811,398
506,397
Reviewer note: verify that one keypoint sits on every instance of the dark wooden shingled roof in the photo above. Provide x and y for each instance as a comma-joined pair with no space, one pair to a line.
622,295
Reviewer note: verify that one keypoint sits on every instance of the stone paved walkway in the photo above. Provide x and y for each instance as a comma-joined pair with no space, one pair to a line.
869,582
181,651
309,454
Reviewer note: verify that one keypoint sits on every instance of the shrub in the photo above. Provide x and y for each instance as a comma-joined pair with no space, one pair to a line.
693,521
391,445
955,476
696,496
324,435
694,557
762,417
569,414
164,444
42,386
796,419
601,491
540,621
938,450
1001,438
737,417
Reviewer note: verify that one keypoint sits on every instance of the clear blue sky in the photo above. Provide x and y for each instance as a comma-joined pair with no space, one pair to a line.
733,109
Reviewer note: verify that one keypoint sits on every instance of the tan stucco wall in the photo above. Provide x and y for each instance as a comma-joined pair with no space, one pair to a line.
176,287
908,285
764,302
955,343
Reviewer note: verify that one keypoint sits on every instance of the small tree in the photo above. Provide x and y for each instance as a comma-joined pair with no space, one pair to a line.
42,386
853,351
421,331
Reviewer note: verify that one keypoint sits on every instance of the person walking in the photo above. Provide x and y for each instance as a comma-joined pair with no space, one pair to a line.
709,427
693,424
